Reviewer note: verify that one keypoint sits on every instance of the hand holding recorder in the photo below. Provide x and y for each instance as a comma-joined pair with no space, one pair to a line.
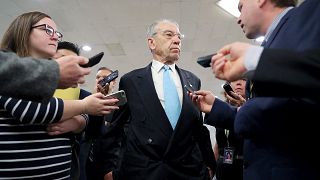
228,64
70,73
232,97
103,85
109,78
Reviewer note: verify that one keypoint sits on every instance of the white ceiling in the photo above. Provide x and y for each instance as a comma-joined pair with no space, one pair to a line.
118,27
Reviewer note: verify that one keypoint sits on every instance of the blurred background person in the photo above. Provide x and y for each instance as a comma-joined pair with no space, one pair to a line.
97,157
228,142
66,48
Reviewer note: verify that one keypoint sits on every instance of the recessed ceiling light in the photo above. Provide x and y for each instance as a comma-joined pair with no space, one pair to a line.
86,48
231,6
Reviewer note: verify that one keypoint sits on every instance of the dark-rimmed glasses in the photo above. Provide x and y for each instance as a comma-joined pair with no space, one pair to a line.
49,30
169,34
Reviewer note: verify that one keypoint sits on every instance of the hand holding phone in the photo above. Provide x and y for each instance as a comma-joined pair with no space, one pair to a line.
93,60
205,61
109,78
227,87
120,95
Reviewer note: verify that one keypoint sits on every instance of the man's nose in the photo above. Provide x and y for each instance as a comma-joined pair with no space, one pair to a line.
239,20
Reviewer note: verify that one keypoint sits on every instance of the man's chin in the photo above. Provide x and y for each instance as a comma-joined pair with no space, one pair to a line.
175,57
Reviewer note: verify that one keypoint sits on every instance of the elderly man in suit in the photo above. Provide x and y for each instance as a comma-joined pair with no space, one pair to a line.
164,139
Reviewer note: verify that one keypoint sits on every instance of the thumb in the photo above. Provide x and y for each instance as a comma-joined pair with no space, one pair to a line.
225,50
82,60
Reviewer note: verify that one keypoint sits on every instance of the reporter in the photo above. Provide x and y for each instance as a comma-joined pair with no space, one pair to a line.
27,148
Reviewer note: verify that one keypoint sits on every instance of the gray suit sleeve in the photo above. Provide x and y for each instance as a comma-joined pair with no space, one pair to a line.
27,78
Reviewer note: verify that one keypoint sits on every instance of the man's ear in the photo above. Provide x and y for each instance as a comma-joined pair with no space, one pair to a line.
151,43
261,3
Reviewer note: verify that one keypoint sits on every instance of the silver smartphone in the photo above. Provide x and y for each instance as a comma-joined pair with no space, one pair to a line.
120,95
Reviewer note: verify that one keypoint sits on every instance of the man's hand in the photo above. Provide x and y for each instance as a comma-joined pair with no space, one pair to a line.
108,176
97,104
71,74
210,172
75,124
104,90
228,64
203,100
236,100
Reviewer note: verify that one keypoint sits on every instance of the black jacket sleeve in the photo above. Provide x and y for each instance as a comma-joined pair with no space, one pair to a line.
288,73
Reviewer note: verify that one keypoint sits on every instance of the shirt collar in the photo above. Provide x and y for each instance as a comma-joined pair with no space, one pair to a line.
158,65
275,22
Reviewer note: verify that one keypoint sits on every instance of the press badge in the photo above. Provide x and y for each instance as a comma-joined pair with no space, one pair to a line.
228,155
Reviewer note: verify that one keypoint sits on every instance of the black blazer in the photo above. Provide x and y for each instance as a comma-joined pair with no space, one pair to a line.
278,131
293,74
152,150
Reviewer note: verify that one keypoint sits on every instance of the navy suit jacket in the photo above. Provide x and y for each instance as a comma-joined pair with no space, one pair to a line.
279,132
152,149
298,71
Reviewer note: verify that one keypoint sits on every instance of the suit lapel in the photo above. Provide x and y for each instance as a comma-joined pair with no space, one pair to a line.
184,78
186,109
153,107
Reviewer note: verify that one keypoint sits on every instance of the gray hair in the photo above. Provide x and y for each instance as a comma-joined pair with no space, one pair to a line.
152,28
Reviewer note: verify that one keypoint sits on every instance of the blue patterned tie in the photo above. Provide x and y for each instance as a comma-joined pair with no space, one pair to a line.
172,105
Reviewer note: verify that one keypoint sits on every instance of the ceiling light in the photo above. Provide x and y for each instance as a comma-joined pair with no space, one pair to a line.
231,6
86,48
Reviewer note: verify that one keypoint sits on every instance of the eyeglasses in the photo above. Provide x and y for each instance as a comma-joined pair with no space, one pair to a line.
49,30
169,34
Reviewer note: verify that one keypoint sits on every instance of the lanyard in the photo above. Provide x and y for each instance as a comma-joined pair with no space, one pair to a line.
226,131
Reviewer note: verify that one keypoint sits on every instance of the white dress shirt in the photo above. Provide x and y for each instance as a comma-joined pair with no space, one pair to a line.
157,76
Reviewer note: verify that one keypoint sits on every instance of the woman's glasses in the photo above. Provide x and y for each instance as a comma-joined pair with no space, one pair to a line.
49,30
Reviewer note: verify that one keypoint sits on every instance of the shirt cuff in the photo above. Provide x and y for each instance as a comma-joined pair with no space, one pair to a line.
252,57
